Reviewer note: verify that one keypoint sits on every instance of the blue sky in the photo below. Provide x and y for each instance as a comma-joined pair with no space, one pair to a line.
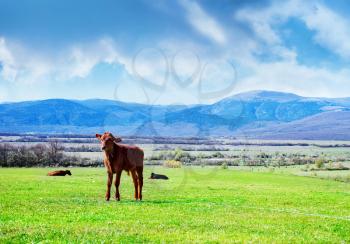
172,52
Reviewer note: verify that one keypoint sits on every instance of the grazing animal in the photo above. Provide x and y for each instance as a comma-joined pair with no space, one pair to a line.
119,157
158,177
59,173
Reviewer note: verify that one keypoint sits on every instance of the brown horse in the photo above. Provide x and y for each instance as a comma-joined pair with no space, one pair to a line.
119,157
59,173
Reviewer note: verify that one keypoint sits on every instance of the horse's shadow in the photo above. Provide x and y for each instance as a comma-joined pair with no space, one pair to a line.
163,202
128,201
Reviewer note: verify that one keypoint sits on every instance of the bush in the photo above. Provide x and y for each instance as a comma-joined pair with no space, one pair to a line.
271,169
306,168
172,164
218,155
337,166
320,162
263,155
224,165
178,155
182,156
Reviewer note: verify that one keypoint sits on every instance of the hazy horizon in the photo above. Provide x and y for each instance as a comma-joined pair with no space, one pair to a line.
171,104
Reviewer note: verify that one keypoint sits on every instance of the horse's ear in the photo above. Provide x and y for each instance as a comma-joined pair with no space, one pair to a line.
117,139
98,136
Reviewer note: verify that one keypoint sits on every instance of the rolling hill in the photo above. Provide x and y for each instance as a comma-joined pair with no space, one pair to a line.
256,114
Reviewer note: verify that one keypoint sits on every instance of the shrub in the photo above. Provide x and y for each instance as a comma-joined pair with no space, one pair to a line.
320,162
180,155
337,166
340,166
224,165
218,155
306,168
172,164
201,155
262,155
347,178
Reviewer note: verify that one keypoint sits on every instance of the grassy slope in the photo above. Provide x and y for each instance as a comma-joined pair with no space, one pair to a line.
194,205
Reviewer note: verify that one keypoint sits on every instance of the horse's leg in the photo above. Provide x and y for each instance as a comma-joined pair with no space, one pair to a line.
109,184
134,178
117,183
140,179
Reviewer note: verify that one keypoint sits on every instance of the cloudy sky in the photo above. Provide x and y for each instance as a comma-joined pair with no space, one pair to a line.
172,52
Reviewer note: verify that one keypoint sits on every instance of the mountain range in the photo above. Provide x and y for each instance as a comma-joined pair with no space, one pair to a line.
255,114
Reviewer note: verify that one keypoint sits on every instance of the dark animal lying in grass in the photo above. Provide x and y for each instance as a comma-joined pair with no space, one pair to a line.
158,177
119,157
59,173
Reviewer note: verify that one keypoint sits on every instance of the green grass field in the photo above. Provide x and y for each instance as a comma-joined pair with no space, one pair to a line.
195,205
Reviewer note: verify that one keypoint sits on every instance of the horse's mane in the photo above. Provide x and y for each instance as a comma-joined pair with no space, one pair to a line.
113,154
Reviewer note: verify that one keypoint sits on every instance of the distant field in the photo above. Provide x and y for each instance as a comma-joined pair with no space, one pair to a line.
195,205
153,146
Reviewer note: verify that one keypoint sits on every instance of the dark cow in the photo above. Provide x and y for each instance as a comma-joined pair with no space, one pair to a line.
119,157
158,177
59,173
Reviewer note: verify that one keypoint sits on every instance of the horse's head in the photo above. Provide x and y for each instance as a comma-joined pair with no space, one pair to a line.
107,141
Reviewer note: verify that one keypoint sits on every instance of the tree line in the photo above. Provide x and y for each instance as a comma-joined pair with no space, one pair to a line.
49,154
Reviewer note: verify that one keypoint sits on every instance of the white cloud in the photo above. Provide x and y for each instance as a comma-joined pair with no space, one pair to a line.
331,29
149,66
203,22
7,62
293,77
82,58
263,21
22,65
287,74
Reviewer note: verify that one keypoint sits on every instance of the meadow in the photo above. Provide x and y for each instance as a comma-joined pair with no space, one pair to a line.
210,205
